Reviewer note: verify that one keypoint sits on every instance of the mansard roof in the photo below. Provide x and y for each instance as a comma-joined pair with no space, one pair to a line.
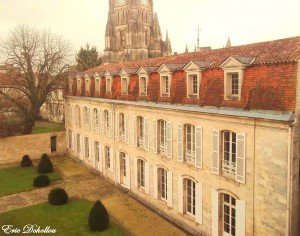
270,52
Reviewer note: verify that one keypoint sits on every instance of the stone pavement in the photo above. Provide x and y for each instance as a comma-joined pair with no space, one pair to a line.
81,182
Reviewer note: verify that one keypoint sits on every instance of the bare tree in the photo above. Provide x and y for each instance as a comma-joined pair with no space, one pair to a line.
40,65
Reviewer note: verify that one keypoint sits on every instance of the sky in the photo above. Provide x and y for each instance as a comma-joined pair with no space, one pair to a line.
83,21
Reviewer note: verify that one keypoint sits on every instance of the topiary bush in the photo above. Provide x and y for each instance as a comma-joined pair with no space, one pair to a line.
58,196
41,181
26,161
98,217
45,165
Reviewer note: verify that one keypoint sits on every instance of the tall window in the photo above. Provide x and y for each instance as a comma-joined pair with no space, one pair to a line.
141,173
162,184
106,122
190,196
124,85
235,84
107,157
162,127
165,86
97,86
229,214
87,147
143,86
229,153
140,131
122,126
123,167
193,85
96,119
97,153
79,86
78,116
87,86
70,140
190,145
87,117
108,85
78,143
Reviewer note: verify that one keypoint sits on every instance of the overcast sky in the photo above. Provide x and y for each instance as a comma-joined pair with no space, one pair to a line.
82,21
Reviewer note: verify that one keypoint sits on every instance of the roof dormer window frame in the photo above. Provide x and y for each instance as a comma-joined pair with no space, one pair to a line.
193,80
234,68
124,85
78,84
87,84
165,80
143,81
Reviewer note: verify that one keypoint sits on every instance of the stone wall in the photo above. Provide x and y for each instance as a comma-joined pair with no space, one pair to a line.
13,148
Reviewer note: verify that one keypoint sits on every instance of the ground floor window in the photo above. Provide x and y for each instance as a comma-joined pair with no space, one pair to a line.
190,197
141,173
108,157
162,183
229,214
123,167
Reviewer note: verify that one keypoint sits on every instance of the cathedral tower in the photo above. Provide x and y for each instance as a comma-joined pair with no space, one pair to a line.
133,32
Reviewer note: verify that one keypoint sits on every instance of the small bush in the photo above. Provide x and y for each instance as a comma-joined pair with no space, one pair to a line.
98,217
41,181
45,165
58,196
26,162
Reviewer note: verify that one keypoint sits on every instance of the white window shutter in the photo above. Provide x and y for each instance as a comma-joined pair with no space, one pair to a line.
154,129
134,132
240,217
180,194
215,152
241,158
199,206
100,163
155,182
169,139
112,160
110,123
146,134
170,189
126,129
104,166
180,142
117,126
198,142
117,174
214,212
147,177
127,172
135,176
101,114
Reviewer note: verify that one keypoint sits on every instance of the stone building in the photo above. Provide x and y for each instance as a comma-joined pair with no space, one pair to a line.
133,32
208,139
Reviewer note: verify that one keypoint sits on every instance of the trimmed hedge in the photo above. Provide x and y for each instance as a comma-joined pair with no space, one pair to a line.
58,196
41,181
45,165
98,217
26,161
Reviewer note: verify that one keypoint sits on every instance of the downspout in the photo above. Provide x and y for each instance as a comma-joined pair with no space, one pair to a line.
114,140
254,176
288,208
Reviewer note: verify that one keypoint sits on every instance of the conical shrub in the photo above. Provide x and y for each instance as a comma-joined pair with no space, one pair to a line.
98,217
45,165
26,161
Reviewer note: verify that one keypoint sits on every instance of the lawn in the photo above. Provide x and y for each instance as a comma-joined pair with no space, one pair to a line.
45,127
68,219
18,179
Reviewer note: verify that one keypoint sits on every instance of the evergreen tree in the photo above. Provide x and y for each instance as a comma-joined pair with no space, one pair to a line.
98,217
88,58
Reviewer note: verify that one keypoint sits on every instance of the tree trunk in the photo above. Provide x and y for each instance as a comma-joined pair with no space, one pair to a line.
28,125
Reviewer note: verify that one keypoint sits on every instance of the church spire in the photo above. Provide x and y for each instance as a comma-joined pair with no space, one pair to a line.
228,44
186,49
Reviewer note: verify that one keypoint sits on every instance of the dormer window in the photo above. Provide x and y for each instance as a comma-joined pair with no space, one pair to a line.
143,86
87,86
193,85
165,85
70,85
108,85
124,85
78,86
97,86
234,68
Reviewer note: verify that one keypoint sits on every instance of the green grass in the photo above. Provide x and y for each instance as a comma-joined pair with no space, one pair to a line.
68,219
40,130
18,179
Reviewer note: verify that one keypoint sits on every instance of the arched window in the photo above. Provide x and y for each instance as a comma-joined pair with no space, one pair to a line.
162,184
229,153
107,152
87,117
96,120
162,136
78,116
141,173
123,173
87,148
190,197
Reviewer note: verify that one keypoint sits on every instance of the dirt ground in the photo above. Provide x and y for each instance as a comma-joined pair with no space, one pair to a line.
81,182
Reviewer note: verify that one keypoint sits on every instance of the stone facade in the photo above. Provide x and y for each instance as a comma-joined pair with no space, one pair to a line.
133,32
210,140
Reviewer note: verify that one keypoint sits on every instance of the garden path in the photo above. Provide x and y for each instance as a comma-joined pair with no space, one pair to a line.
81,182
